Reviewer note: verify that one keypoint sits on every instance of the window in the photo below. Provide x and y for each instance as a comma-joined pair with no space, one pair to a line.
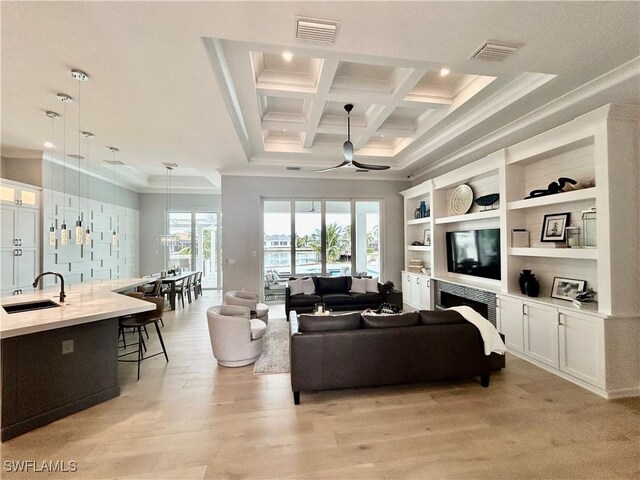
330,237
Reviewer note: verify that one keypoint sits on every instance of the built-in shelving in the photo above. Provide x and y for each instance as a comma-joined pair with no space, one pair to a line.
484,215
577,253
599,147
419,248
419,221
558,198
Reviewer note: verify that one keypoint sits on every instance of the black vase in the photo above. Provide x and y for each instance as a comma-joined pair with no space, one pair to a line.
524,276
532,286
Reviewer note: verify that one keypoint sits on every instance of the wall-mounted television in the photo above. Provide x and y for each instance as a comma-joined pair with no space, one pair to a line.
474,252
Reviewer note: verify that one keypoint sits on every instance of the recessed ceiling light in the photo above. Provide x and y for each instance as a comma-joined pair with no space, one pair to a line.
49,144
287,56
444,72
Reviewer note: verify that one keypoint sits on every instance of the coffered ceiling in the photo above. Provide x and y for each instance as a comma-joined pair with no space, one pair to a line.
205,84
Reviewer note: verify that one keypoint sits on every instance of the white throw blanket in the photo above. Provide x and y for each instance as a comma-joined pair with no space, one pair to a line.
490,336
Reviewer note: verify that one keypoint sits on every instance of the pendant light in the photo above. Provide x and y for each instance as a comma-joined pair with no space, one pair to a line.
114,235
87,234
64,233
167,239
51,144
81,77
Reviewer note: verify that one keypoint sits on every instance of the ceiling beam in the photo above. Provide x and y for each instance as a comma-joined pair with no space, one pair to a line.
316,106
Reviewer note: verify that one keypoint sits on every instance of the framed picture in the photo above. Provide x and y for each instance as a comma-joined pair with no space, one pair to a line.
553,227
426,240
567,288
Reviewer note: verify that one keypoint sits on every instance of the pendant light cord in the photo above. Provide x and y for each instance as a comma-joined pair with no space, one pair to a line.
64,164
79,155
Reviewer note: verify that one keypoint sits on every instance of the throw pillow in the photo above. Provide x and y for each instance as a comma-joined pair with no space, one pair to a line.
372,285
358,285
332,285
296,286
308,287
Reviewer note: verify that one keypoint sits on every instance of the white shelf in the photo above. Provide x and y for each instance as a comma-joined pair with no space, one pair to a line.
469,217
418,221
579,253
419,248
558,198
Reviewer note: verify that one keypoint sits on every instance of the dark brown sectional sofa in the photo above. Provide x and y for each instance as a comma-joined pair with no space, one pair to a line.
334,293
350,350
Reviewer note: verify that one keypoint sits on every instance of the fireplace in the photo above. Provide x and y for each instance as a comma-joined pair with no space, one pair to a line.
454,295
450,300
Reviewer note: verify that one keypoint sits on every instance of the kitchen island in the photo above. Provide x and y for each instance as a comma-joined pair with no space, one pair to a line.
58,361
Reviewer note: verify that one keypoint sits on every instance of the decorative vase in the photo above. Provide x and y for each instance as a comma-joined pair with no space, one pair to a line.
532,286
524,276
423,209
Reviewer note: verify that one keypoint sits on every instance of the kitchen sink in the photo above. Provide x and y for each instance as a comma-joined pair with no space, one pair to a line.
29,306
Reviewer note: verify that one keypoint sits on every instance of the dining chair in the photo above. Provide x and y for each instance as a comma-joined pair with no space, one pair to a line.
184,286
197,284
139,322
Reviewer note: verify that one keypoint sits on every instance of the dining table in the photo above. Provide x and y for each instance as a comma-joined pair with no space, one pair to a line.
171,280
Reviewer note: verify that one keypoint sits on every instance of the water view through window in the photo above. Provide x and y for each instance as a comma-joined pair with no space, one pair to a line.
319,237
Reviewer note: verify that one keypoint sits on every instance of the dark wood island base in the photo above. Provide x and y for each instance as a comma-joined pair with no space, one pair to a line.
43,381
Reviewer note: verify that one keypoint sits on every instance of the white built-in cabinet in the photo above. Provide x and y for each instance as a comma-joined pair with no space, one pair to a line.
19,237
598,349
554,337
416,291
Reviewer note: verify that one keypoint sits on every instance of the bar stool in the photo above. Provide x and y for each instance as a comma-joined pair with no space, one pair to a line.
140,321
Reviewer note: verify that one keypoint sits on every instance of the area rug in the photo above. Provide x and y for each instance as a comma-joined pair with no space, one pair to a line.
275,358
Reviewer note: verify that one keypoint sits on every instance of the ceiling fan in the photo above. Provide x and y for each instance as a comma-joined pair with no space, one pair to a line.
347,151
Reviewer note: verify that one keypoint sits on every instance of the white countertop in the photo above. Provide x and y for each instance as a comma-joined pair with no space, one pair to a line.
85,302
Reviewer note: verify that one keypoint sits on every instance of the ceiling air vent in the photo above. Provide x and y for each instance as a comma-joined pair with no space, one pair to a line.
317,31
113,162
493,51
293,168
170,164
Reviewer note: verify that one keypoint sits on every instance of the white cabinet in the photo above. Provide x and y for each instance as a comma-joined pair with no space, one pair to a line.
510,322
541,333
19,238
22,195
416,291
582,347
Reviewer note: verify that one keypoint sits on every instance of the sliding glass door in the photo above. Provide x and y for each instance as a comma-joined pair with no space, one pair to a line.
196,245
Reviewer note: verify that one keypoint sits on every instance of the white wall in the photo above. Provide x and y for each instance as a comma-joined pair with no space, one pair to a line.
153,208
241,207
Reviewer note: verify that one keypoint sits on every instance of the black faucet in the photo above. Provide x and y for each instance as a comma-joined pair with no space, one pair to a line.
59,275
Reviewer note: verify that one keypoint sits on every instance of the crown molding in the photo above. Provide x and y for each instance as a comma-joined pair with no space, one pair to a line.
608,80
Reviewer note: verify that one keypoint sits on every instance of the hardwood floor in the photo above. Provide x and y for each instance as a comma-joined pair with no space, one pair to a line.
191,419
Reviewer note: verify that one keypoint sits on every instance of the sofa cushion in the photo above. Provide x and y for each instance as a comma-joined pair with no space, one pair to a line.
358,285
337,299
304,301
367,298
322,323
331,285
408,319
440,317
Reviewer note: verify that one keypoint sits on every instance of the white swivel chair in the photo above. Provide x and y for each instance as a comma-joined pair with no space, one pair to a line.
251,300
236,339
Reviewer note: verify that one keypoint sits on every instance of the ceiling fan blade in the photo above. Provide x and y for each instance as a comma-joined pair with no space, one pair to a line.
332,168
365,166
347,150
